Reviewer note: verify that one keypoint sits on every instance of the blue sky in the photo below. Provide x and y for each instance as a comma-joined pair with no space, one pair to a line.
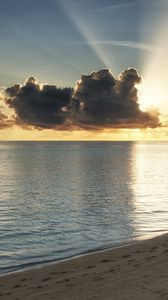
58,40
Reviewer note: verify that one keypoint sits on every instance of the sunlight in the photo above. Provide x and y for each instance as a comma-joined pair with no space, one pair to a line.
84,27
154,90
153,93
149,96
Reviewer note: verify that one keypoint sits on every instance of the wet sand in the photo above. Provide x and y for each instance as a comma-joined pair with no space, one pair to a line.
138,271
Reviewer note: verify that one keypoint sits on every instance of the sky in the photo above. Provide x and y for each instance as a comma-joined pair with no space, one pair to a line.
62,46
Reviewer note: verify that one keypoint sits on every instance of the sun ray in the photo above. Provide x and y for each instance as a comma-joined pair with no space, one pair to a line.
154,90
78,19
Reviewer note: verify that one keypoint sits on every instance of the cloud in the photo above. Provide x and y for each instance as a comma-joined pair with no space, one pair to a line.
40,107
5,122
98,101
129,44
101,100
122,5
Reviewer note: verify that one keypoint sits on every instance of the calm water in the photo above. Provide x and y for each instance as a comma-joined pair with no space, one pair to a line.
61,199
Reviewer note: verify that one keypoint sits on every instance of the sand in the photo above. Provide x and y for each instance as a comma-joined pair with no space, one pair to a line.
138,271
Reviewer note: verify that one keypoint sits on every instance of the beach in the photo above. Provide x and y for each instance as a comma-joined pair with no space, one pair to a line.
134,271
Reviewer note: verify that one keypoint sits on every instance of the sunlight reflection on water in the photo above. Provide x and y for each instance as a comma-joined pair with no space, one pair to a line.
61,199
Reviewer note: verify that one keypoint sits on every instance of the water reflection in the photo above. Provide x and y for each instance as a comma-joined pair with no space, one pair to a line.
150,188
60,199
106,193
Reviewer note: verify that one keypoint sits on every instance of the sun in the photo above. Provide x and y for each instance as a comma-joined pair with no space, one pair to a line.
149,96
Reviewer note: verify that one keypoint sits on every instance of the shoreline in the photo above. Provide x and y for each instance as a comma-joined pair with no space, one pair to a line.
138,270
43,264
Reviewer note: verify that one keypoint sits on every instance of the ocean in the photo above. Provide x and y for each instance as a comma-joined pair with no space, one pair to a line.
62,199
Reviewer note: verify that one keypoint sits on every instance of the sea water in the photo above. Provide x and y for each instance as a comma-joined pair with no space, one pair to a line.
61,199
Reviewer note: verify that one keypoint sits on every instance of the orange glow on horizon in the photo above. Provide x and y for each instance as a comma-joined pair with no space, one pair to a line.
19,134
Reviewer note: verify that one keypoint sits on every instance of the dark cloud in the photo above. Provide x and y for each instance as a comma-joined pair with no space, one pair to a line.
100,100
12,91
40,107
